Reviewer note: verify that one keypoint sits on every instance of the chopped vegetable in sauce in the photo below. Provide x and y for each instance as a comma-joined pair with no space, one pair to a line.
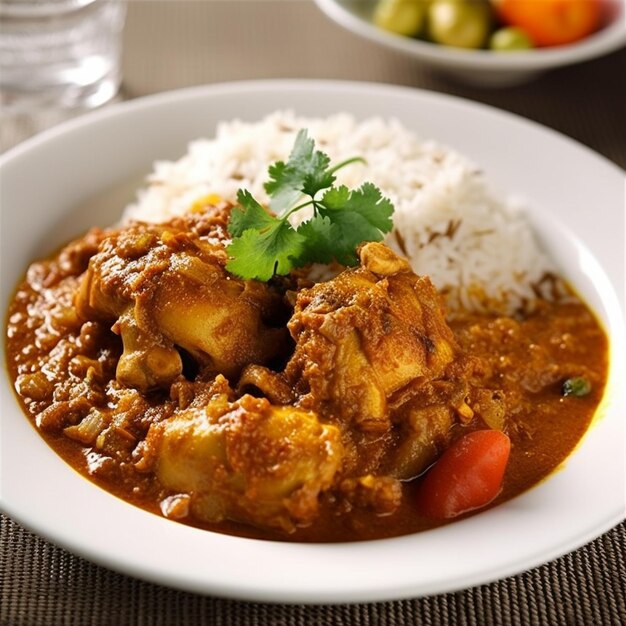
578,387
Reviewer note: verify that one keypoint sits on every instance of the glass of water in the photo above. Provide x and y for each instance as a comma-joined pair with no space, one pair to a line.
59,53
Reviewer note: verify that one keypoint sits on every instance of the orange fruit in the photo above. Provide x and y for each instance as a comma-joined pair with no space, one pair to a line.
551,22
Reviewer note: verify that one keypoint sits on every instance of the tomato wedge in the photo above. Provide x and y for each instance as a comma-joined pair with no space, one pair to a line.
467,476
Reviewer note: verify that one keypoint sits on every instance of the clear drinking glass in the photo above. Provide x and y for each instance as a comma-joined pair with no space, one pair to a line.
59,53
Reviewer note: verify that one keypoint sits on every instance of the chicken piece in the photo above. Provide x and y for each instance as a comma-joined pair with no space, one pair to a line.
381,494
248,461
215,317
146,362
165,287
364,336
258,380
425,436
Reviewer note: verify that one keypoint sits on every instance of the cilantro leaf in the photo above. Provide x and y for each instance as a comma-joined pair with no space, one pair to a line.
336,198
320,235
359,215
250,214
317,180
265,244
367,201
303,173
261,254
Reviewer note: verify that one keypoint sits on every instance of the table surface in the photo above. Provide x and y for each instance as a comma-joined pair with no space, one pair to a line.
178,43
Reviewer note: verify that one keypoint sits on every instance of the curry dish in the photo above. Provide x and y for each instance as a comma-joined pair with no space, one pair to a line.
284,410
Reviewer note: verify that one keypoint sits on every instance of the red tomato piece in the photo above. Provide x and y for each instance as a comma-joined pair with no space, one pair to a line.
467,476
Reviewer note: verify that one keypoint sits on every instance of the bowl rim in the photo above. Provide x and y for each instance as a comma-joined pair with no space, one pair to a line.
608,39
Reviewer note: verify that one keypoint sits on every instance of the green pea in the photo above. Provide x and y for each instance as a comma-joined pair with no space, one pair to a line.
577,386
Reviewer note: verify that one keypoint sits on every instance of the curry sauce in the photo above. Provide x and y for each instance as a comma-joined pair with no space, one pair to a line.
287,410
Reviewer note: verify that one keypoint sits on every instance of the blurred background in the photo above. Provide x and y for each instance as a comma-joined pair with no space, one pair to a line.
169,44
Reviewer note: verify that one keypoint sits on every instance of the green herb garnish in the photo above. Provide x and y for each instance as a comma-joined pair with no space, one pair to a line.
577,386
264,245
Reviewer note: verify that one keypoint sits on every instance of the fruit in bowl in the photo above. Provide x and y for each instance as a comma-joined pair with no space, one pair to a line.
499,25
552,22
487,43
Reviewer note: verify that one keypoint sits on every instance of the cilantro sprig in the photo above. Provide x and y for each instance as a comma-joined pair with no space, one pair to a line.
264,243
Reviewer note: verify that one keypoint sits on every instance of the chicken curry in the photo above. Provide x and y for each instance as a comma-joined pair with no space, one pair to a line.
287,409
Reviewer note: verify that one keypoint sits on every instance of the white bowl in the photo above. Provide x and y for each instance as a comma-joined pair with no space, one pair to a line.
47,189
481,67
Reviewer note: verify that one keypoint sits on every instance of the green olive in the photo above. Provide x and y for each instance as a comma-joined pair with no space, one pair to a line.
459,23
404,17
510,38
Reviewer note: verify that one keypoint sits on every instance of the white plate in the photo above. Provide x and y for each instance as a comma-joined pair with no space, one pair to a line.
44,180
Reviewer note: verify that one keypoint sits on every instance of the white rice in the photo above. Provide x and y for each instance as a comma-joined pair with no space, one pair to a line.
477,247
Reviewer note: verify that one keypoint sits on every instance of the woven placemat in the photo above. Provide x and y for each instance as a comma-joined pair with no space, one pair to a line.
45,585
173,44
